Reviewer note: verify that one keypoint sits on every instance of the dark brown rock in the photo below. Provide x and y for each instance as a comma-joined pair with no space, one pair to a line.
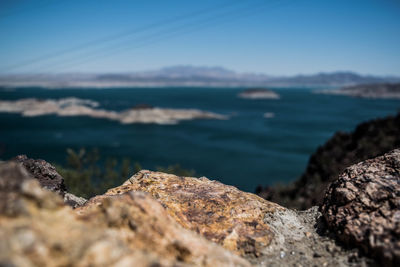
368,140
49,178
44,172
362,207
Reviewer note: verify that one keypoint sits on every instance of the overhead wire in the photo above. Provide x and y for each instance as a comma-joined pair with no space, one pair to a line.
160,36
123,34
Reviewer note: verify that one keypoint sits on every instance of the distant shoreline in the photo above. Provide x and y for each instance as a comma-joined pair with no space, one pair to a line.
372,91
189,76
154,85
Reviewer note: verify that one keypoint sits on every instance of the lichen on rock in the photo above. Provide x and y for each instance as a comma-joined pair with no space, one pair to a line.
159,219
221,213
145,225
38,229
264,233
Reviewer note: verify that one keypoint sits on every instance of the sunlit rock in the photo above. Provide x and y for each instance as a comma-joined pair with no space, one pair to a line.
219,212
37,229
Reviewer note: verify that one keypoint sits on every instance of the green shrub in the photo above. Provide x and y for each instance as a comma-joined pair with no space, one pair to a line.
85,176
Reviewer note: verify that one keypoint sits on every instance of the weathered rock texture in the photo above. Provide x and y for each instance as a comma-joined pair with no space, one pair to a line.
44,172
146,225
264,233
301,239
37,229
126,227
363,207
370,139
219,212
73,201
49,178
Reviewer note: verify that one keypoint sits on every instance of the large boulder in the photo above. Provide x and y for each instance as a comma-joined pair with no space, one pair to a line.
221,213
362,207
37,229
263,232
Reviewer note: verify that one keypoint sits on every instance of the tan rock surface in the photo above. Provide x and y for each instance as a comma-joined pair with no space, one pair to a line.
221,213
37,229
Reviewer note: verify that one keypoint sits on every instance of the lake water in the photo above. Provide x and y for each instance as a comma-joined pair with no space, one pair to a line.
246,150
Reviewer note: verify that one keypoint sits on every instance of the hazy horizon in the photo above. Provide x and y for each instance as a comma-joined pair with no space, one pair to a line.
203,66
277,38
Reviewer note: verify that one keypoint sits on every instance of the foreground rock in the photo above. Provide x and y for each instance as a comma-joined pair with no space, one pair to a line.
258,94
262,232
302,239
221,213
368,140
37,229
380,90
126,227
363,207
81,107
49,179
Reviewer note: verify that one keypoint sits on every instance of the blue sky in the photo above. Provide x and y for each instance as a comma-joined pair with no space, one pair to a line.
277,37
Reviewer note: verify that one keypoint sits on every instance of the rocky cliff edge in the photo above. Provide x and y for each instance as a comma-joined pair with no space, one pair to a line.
159,219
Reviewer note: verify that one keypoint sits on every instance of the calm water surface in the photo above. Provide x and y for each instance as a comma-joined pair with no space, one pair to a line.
244,151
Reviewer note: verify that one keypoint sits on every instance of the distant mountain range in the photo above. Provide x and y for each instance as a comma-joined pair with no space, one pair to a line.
189,76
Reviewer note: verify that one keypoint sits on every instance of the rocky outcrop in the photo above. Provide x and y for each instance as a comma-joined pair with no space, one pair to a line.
44,172
83,107
37,229
368,140
49,178
172,223
73,201
258,230
376,90
258,93
363,207
221,213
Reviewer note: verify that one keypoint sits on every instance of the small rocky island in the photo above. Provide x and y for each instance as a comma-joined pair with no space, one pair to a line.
258,93
379,90
71,106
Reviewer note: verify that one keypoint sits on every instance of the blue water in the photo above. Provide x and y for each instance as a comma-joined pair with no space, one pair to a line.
244,151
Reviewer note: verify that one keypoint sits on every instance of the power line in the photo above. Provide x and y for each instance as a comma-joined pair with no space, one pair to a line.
123,34
157,37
